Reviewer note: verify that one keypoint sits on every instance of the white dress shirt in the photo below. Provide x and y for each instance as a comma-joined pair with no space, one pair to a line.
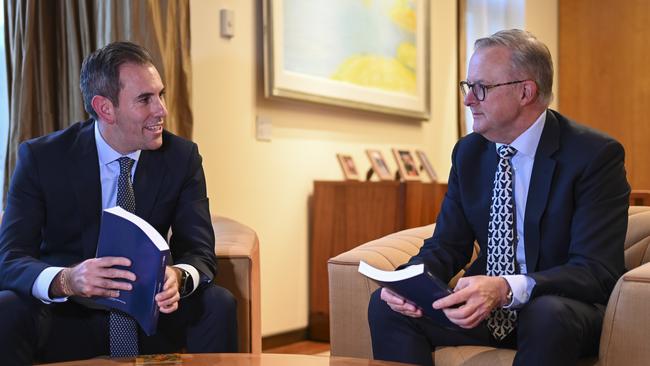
522,164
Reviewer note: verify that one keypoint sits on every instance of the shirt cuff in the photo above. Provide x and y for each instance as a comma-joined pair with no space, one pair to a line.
194,273
521,286
41,287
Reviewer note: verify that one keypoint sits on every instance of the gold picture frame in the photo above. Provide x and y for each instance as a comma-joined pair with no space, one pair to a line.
378,164
323,59
349,168
425,165
406,164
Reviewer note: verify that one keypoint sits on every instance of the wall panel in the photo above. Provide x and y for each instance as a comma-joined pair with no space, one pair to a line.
604,53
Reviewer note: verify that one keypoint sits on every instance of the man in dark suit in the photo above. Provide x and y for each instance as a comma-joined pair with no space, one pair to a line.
51,223
545,198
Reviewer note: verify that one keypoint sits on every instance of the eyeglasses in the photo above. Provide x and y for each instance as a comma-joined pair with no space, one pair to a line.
480,90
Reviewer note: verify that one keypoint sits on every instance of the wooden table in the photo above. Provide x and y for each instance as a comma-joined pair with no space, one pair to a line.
243,359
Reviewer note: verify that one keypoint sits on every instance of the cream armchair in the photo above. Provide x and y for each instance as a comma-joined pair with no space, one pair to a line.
626,328
238,261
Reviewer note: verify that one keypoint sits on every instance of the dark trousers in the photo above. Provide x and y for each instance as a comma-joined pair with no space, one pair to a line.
205,322
551,330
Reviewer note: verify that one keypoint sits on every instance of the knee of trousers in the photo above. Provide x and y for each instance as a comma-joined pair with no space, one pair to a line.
548,315
218,300
18,313
378,311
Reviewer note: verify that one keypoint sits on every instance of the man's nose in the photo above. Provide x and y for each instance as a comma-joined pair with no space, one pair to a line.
469,98
161,109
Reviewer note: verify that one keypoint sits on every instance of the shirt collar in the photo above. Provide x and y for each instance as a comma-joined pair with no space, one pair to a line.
527,142
105,152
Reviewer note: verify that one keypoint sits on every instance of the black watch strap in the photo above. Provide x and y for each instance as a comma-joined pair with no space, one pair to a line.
187,284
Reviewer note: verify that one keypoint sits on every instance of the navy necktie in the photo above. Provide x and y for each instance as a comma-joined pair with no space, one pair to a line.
501,238
123,329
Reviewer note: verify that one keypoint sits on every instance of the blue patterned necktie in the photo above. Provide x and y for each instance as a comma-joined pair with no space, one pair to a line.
501,238
123,330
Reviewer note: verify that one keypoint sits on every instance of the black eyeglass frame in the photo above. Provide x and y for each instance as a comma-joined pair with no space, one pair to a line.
484,88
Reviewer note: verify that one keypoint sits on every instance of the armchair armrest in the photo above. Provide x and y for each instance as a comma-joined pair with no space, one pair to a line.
237,250
626,327
350,291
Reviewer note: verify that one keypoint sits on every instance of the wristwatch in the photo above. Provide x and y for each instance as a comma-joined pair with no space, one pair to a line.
508,297
187,284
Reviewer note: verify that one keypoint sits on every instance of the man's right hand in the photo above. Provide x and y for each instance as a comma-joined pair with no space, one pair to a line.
399,304
94,277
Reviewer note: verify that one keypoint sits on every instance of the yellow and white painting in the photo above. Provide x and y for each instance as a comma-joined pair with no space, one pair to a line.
364,42
369,45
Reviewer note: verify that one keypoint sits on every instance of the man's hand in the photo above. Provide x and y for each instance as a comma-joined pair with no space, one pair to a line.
399,304
480,295
168,298
93,277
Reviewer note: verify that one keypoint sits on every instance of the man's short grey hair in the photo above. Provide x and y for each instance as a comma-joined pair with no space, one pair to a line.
530,58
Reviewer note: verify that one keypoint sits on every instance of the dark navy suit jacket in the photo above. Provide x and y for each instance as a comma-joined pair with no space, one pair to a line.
54,204
575,219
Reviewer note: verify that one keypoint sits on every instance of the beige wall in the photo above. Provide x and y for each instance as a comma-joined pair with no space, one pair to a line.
266,184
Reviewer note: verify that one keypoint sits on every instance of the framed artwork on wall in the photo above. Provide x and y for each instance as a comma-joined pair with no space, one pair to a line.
426,165
350,171
370,55
379,165
408,169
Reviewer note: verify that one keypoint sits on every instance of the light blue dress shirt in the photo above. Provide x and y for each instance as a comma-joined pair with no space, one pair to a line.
522,163
109,172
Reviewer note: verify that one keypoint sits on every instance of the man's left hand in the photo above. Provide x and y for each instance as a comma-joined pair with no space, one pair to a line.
480,295
168,298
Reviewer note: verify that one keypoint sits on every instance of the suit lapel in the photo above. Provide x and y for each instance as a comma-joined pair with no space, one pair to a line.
84,173
540,187
488,166
149,175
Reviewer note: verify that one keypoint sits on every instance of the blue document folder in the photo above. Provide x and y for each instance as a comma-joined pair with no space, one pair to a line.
123,234
416,285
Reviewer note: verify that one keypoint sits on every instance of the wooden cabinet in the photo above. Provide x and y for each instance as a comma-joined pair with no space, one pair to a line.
640,197
346,214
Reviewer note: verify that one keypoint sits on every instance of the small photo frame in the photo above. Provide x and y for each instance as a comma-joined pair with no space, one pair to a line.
408,168
426,165
350,171
379,165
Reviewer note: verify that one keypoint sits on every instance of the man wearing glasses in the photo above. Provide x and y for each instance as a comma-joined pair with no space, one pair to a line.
546,200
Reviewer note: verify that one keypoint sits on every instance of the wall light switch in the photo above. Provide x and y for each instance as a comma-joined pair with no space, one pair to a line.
227,23
263,128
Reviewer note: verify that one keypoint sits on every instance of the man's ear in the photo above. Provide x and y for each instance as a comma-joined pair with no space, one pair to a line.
529,92
104,108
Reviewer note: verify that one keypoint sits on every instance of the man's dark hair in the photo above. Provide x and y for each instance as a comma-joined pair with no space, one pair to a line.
100,71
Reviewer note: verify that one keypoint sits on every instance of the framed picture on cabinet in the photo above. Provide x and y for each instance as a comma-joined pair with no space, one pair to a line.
379,165
408,168
425,165
350,171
